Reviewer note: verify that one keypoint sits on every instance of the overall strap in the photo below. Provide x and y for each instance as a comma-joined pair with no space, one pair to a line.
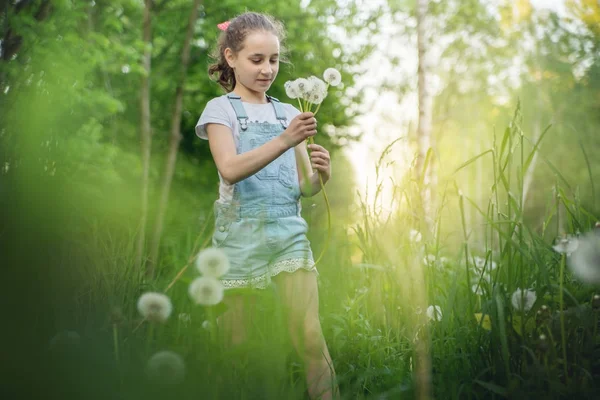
238,107
279,111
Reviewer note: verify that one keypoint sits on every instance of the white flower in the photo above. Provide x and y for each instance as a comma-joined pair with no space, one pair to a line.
477,289
584,262
415,236
566,245
481,263
291,89
206,291
318,86
304,86
523,299
315,97
206,325
166,367
434,313
429,259
155,307
212,262
332,76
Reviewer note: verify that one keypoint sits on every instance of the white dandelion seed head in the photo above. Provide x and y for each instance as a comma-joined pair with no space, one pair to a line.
429,259
155,307
166,367
291,89
434,313
206,291
523,299
304,86
332,76
566,244
584,262
206,325
213,262
479,262
318,86
315,97
414,236
477,289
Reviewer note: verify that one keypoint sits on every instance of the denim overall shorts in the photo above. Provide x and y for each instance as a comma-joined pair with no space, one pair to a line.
261,230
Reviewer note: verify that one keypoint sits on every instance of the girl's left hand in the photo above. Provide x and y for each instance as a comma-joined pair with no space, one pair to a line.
320,161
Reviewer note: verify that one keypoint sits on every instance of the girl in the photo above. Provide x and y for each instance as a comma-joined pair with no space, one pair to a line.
258,145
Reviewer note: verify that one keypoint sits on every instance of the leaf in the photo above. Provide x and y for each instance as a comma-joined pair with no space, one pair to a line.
484,321
492,387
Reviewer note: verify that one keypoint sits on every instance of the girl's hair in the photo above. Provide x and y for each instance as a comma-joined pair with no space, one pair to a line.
233,37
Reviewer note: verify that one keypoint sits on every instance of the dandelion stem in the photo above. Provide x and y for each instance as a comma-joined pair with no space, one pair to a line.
319,105
149,338
116,342
138,325
191,259
562,316
312,141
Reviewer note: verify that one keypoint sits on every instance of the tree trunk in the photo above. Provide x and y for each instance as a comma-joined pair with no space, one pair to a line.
145,134
424,139
174,140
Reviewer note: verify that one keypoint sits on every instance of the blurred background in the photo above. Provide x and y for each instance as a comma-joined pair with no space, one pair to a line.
105,188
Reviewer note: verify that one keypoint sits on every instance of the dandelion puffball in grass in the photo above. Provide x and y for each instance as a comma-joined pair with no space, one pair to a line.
206,291
212,262
166,367
584,262
523,299
414,236
566,244
332,76
155,307
429,259
434,313
477,289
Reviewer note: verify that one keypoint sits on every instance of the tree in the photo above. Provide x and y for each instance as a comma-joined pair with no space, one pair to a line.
174,139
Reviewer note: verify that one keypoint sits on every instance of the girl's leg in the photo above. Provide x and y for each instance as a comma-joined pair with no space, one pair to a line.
233,323
300,298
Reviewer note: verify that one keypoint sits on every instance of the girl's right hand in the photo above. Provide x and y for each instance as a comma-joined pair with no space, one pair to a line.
303,126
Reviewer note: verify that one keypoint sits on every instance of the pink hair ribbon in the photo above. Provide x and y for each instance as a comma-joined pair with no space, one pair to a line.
223,25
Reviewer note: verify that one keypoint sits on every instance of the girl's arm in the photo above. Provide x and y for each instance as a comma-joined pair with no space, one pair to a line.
235,167
308,178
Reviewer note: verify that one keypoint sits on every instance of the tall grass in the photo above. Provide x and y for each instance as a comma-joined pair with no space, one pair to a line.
376,285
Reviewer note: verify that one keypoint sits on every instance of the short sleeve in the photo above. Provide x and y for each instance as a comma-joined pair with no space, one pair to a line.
290,111
214,113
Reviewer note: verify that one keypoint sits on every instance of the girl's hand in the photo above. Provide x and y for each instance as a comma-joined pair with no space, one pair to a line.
320,161
302,127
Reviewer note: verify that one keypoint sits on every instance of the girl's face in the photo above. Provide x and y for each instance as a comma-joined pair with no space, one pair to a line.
257,63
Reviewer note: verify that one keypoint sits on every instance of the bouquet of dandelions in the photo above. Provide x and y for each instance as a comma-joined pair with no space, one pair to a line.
310,93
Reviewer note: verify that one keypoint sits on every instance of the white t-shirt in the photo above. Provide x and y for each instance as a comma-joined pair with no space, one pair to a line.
220,111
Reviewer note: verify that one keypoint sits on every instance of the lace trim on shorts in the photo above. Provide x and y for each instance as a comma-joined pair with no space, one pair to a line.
262,281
